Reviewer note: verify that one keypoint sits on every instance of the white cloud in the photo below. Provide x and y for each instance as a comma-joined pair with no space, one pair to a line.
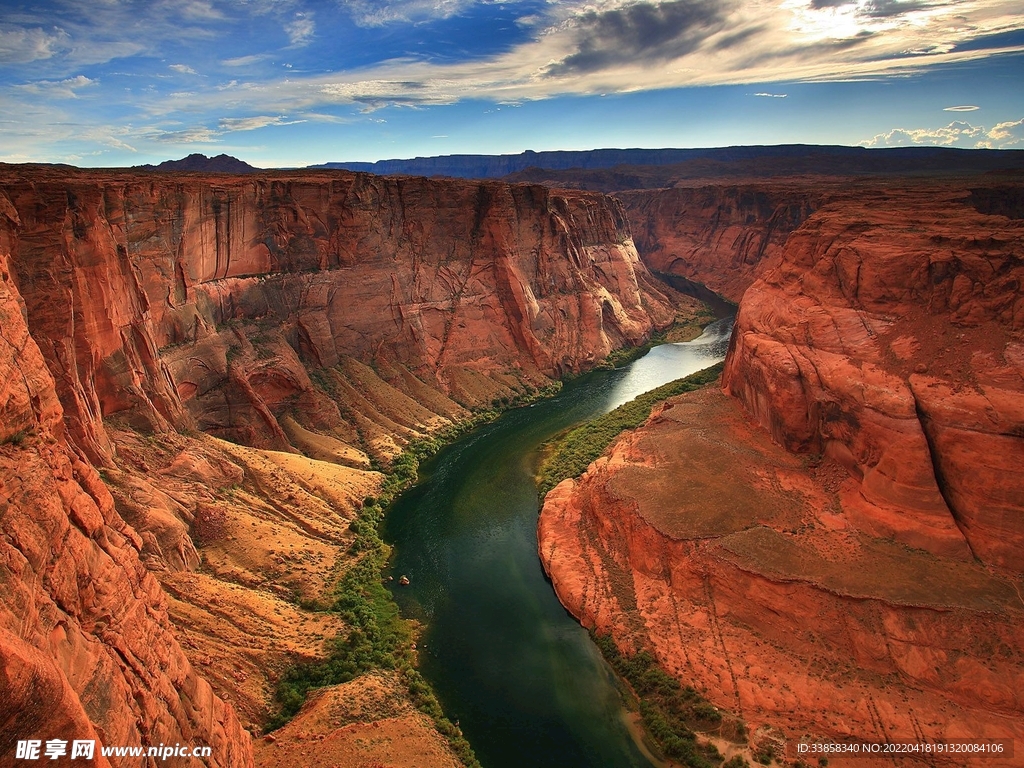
200,10
252,123
959,133
575,47
19,45
197,135
59,89
576,50
963,108
109,138
1009,134
301,30
378,13
246,61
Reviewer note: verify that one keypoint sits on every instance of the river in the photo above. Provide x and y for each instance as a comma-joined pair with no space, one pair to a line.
520,675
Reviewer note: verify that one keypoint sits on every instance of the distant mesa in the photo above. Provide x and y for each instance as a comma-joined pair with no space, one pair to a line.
199,162
593,169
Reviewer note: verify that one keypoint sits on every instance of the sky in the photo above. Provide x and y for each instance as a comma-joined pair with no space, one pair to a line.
289,83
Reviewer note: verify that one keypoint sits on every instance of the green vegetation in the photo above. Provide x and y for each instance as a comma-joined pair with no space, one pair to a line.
671,713
379,638
765,754
620,357
574,452
16,438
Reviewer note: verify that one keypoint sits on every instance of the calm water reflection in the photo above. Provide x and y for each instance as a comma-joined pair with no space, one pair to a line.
521,676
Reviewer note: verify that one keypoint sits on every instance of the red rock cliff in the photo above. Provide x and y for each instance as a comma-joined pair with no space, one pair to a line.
837,549
146,292
87,650
891,337
721,235
335,315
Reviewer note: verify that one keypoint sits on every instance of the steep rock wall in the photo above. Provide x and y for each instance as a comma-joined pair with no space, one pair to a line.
697,538
837,548
146,291
87,650
721,235
890,337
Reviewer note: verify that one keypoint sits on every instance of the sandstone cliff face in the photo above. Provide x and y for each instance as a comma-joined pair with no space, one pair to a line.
849,563
87,650
890,337
336,316
698,538
202,303
721,235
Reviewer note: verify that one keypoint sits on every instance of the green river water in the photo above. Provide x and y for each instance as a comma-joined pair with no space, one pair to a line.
523,679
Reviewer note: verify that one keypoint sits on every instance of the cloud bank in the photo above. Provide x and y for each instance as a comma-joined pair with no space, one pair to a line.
1006,135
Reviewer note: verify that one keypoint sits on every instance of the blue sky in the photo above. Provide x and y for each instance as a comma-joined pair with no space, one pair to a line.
296,82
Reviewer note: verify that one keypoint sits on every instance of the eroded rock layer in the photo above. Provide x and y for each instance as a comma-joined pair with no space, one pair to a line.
890,337
202,302
721,235
317,323
87,648
836,550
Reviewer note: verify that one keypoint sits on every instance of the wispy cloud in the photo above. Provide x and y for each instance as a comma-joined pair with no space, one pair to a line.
55,56
60,89
252,123
378,13
614,46
246,61
20,45
301,29
958,133
1008,134
187,136
963,108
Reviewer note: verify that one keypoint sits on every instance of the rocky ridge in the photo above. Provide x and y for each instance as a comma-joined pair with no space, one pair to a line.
721,235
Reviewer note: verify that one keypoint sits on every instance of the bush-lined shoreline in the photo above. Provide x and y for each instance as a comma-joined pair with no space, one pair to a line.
378,637
570,454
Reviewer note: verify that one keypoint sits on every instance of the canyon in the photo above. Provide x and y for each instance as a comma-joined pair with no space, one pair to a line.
829,544
205,377
202,377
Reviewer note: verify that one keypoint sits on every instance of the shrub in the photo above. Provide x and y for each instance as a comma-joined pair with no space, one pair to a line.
574,452
669,711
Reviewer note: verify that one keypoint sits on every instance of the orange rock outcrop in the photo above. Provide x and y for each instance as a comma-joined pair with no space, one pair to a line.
314,320
835,550
87,648
890,337
194,301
